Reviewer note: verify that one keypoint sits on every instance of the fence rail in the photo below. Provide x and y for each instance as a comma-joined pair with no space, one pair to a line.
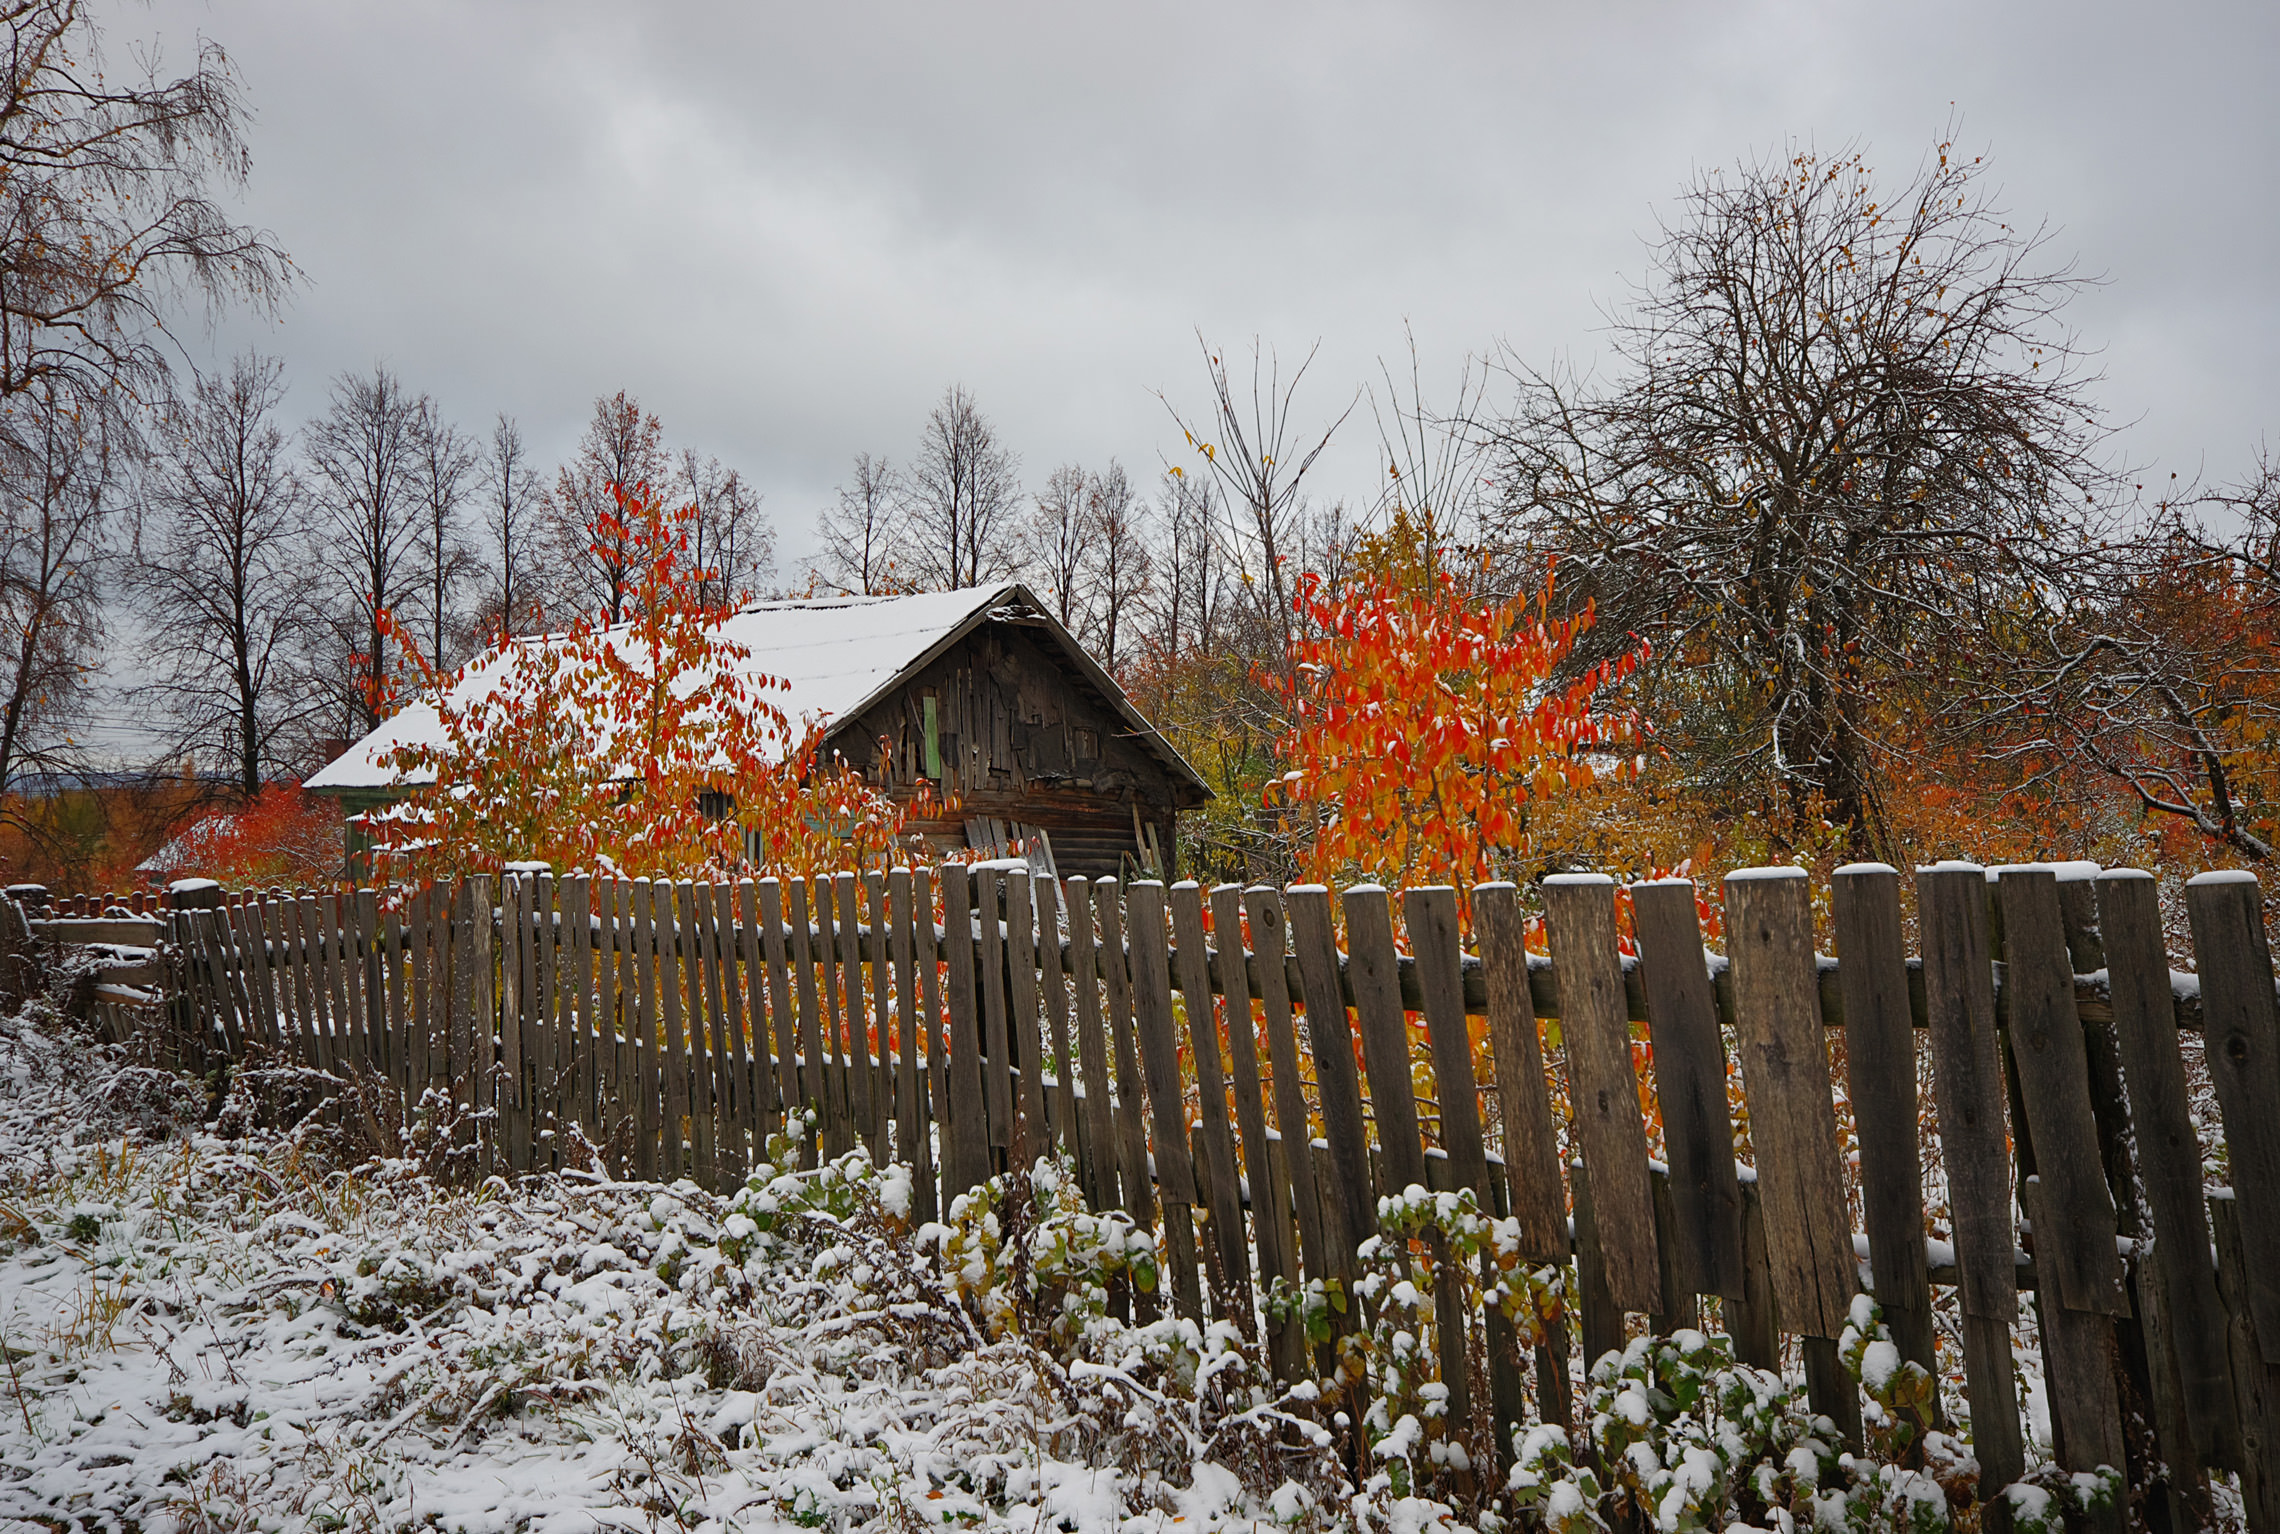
1247,1071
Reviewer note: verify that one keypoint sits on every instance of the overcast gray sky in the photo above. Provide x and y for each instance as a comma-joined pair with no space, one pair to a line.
786,229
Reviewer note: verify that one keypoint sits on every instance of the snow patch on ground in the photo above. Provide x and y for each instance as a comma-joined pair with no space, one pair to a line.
207,1333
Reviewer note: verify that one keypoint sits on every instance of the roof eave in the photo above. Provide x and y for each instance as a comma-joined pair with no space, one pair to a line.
1182,770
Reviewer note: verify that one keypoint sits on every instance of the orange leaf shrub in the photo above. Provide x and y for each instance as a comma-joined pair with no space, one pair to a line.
1425,722
644,748
283,838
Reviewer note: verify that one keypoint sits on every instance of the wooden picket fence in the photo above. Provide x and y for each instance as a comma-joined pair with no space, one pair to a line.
1173,1041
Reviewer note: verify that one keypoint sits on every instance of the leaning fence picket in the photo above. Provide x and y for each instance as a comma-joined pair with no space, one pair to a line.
1270,1194
1176,1189
1603,1090
1969,1096
1222,1199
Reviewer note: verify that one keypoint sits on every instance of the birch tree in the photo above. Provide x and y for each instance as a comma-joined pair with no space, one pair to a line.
223,567
859,536
364,461
964,496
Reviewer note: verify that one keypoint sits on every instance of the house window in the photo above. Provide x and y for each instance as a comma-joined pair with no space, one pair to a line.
715,805
1088,745
931,733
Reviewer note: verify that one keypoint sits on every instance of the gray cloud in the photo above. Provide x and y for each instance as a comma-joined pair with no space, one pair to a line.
787,228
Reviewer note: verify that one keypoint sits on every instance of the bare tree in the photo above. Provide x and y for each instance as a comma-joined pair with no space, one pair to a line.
223,565
857,538
1260,462
2157,670
364,453
1118,566
731,537
445,463
1845,432
963,495
1437,469
511,499
1191,576
58,490
622,446
107,218
1054,543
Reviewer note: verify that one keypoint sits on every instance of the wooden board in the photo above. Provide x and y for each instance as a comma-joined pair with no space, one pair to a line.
997,1046
908,1150
1349,1203
1131,1097
811,1094
1603,1087
931,1020
1951,906
785,1044
1690,1086
1167,1116
649,1111
1793,1119
2242,1036
1216,1134
1023,1001
966,1151
732,1063
1101,1173
1053,984
1270,939
1270,1193
2075,1239
880,1045
1159,1040
1431,917
1461,1165
1372,970
2169,1158
1880,1065
1524,1111
855,1020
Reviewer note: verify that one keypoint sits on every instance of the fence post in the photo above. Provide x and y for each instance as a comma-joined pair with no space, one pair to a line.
1533,1190
1880,1061
1951,902
1270,1189
1167,1108
1603,1086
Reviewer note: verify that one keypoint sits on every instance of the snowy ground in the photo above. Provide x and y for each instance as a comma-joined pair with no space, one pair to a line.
208,1333
280,1331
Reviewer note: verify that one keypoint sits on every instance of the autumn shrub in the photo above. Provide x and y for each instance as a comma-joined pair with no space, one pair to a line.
643,748
285,837
1428,722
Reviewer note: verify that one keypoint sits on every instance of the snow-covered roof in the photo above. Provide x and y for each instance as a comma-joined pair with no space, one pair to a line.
837,655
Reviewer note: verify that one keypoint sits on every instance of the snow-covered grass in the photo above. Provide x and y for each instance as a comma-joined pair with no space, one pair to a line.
207,1333
278,1330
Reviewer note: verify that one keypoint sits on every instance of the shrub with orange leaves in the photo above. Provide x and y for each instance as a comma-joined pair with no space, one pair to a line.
643,748
1425,722
282,838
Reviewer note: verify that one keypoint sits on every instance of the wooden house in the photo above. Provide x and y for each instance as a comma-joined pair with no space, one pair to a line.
980,692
